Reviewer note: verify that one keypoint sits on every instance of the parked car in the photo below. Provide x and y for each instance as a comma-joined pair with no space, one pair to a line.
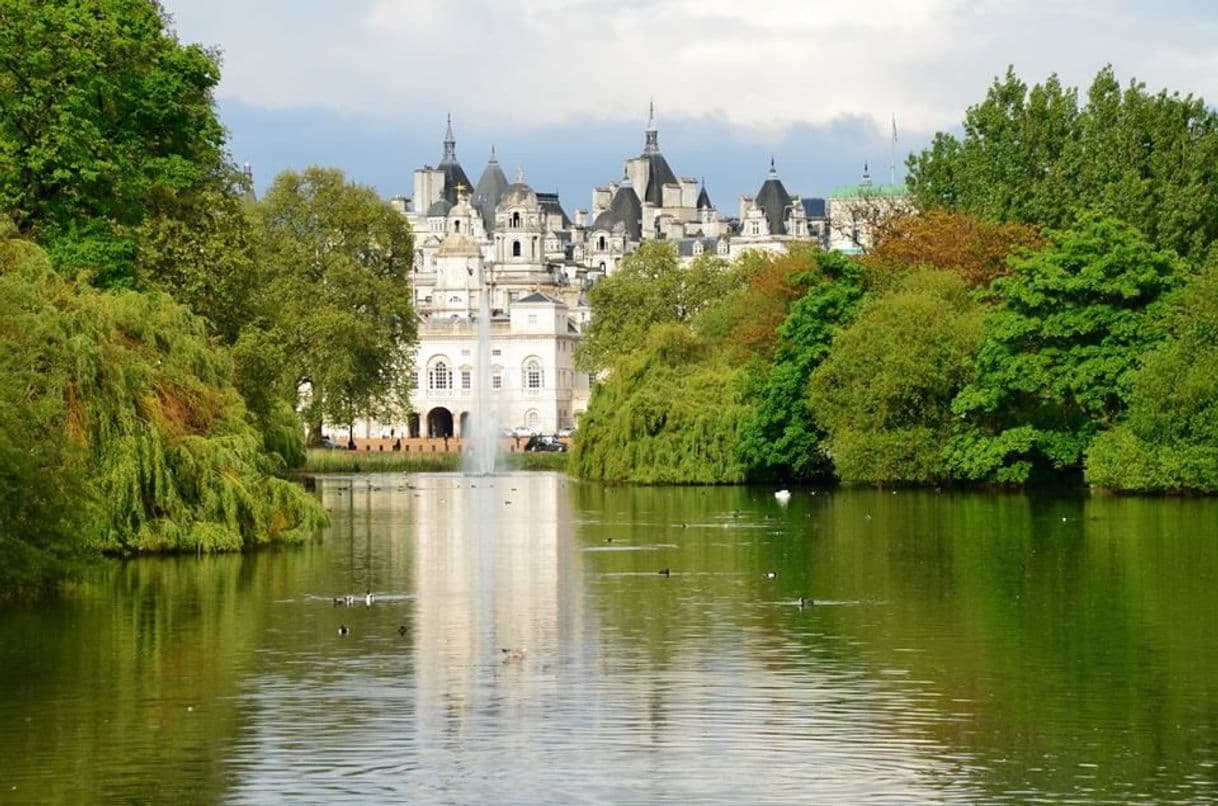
568,432
525,431
548,444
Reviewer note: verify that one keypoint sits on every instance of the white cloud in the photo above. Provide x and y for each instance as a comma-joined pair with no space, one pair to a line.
762,66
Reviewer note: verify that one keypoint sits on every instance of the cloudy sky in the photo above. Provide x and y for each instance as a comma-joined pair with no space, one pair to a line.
561,87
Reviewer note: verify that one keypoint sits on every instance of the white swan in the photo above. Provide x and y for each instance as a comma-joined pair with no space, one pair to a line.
783,496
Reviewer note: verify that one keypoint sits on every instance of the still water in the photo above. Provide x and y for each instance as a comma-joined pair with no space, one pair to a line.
961,648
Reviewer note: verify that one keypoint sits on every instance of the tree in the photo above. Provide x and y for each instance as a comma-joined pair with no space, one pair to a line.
650,287
972,248
1036,157
130,384
668,414
1055,362
884,392
100,106
337,261
1168,441
782,439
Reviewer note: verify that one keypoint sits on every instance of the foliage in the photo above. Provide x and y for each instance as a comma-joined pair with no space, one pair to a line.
100,108
1169,439
960,243
780,438
198,246
650,287
1035,156
44,507
1055,361
668,414
337,261
321,460
884,393
135,386
746,321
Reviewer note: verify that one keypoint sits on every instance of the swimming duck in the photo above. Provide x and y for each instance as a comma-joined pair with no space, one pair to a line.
783,496
771,575
803,602
368,599
665,572
342,629
402,630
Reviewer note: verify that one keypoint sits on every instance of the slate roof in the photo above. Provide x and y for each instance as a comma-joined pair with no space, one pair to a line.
625,209
550,204
774,200
704,202
658,175
814,208
537,296
489,190
685,246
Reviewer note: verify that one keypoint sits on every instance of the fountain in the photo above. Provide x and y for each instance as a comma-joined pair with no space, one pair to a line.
483,438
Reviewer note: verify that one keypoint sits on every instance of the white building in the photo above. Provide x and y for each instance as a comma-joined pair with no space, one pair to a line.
856,210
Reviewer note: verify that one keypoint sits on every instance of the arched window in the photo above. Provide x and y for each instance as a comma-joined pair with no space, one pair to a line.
534,378
531,418
515,248
600,243
456,226
515,220
440,376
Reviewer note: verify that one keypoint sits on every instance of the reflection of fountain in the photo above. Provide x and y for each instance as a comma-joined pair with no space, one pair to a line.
484,421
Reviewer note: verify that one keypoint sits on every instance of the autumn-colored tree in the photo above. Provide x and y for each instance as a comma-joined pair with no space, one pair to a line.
955,242
748,319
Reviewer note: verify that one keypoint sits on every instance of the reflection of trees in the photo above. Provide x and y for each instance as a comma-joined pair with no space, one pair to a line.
1011,638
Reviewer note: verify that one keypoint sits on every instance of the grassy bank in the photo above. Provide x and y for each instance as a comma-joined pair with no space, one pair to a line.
331,461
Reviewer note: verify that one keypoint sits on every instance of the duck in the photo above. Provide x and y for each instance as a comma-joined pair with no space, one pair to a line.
512,655
402,630
339,600
368,599
806,602
343,629
783,496
771,575
665,572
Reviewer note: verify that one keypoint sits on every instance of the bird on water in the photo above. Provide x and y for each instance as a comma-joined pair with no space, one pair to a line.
804,602
665,572
783,496
343,629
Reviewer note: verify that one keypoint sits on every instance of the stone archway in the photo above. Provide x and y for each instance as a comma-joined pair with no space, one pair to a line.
439,422
464,425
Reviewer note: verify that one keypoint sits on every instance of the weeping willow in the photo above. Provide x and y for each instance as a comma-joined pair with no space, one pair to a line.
670,414
167,451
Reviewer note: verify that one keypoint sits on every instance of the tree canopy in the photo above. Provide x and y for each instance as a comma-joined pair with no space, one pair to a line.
884,393
1054,365
650,287
100,106
337,265
1036,156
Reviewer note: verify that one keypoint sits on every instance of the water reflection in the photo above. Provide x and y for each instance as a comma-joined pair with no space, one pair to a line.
962,648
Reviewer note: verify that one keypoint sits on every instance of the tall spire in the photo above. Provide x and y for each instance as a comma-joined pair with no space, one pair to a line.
450,143
773,174
653,137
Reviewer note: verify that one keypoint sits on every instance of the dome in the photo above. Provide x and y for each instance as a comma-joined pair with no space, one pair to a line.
518,194
439,207
458,245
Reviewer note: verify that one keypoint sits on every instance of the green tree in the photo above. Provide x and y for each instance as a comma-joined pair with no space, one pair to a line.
1168,441
668,414
650,287
1055,362
100,106
884,393
781,438
337,261
130,384
1035,156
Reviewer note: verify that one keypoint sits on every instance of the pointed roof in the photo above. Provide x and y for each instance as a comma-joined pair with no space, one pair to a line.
624,209
454,175
774,200
704,202
537,296
489,191
659,173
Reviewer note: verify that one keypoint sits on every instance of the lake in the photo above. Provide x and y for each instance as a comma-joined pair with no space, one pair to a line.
962,647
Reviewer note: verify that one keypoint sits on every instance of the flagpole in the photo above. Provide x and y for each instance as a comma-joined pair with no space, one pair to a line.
892,165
